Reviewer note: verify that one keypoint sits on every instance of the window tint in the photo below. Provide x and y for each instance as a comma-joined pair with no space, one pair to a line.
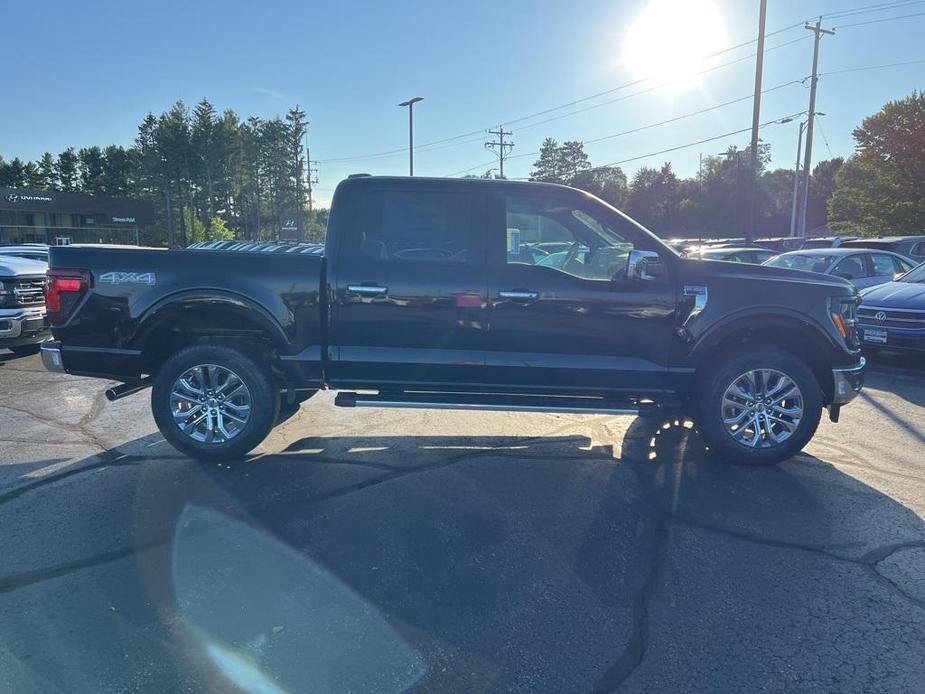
761,256
564,238
918,249
902,265
851,268
419,226
883,265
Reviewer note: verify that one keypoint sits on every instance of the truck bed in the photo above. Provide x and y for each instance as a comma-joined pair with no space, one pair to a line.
142,300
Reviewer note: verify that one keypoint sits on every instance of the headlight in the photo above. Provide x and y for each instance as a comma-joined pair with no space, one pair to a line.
844,313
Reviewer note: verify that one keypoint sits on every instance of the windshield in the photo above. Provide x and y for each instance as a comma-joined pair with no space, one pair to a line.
915,276
797,261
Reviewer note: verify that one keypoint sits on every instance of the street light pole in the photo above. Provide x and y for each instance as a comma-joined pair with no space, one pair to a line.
410,104
796,182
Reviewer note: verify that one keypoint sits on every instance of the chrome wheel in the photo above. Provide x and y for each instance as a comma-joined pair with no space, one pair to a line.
210,403
762,408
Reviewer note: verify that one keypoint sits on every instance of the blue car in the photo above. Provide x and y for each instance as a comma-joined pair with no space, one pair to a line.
892,315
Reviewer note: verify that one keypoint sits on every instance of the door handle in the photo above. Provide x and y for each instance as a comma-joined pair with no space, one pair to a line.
520,295
367,289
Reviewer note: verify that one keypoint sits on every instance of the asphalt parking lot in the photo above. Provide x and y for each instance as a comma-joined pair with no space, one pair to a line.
379,551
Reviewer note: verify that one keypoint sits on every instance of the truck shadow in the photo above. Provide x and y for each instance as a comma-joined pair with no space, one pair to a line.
554,563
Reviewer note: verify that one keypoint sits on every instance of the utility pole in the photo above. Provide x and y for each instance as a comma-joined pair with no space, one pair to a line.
410,104
312,175
502,147
808,159
756,118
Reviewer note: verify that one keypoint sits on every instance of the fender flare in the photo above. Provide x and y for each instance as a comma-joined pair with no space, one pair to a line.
760,317
155,314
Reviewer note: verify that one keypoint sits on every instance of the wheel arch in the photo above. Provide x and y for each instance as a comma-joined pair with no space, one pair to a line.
786,330
184,318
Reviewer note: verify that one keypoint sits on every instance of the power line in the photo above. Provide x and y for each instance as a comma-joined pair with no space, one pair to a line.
640,93
694,144
453,141
657,87
878,21
675,118
471,168
871,67
826,140
867,9
591,97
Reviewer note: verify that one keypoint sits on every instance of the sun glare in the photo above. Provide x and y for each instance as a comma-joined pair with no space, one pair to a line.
671,40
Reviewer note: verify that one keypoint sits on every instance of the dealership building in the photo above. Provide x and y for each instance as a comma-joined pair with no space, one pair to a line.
55,217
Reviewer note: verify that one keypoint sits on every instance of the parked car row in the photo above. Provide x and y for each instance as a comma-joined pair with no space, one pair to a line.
888,271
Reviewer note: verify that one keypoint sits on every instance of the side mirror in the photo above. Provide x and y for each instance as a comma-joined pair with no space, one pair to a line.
643,265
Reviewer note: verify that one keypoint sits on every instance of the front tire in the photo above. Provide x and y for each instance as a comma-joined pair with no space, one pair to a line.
214,402
759,408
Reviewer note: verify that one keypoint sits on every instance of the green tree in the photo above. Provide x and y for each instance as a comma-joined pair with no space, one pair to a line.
120,170
47,174
881,189
13,174
606,182
654,198
821,187
91,169
548,167
32,176
67,172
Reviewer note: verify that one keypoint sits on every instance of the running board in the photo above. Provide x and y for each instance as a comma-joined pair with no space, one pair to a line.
506,403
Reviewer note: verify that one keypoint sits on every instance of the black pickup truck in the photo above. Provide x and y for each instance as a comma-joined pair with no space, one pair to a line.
459,294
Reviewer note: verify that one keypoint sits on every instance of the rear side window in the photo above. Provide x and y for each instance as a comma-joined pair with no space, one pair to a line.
918,249
883,265
422,226
851,268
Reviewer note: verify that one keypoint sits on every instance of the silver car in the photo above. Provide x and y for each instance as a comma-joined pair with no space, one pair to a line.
862,267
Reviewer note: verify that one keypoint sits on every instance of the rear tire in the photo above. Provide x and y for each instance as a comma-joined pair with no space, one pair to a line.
208,372
739,412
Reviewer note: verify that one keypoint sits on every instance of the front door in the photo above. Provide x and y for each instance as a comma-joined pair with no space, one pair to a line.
564,318
408,288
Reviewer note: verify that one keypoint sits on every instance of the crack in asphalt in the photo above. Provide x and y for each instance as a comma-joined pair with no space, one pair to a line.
635,650
81,427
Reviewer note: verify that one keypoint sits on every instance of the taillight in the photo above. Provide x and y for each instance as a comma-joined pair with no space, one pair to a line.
63,291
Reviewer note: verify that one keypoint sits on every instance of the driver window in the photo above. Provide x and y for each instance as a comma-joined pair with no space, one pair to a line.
561,237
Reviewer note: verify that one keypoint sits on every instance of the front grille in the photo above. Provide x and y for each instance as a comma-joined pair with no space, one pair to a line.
892,318
27,292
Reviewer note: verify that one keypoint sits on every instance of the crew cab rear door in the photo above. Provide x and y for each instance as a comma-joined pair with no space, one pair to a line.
564,317
407,283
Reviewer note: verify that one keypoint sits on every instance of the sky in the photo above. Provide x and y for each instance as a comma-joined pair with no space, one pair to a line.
80,74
